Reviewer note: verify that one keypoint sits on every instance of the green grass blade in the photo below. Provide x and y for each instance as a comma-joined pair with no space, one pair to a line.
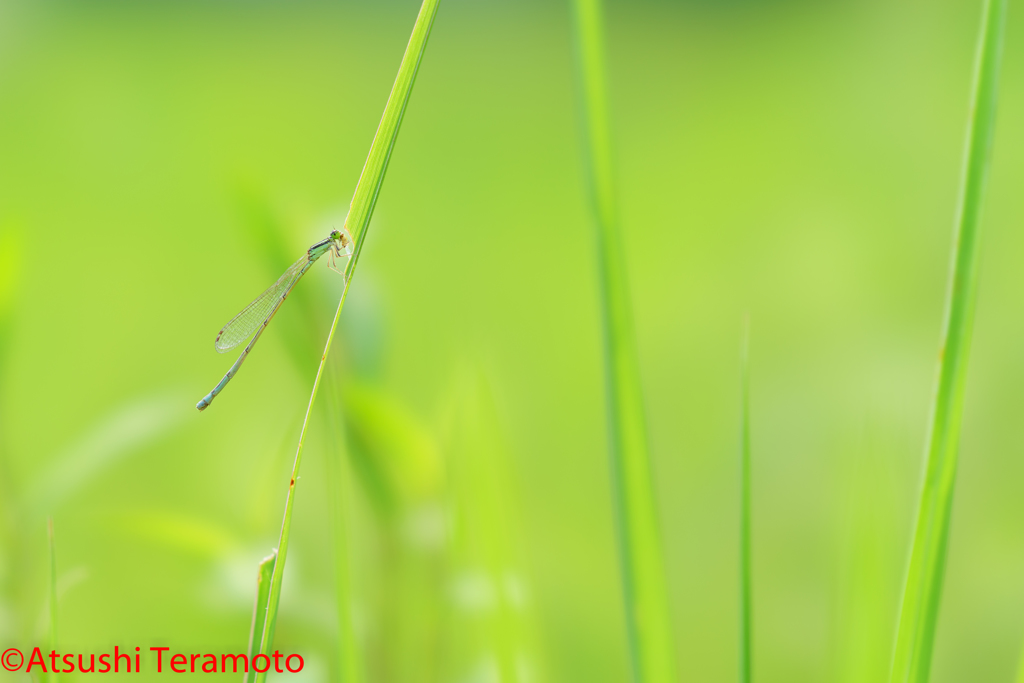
923,589
746,596
10,263
349,656
10,267
360,212
53,595
274,597
485,538
259,611
372,177
648,622
267,233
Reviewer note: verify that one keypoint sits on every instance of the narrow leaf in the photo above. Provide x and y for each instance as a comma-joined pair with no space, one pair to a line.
922,592
259,612
746,595
647,614
53,595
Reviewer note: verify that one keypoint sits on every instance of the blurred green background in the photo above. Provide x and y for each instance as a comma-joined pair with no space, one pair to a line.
160,161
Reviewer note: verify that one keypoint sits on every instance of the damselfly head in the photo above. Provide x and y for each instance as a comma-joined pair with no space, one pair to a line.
342,240
341,237
341,248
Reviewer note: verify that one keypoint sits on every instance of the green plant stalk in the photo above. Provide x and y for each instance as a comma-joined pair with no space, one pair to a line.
370,180
274,597
53,594
350,659
259,611
361,210
648,623
12,533
746,595
350,665
923,589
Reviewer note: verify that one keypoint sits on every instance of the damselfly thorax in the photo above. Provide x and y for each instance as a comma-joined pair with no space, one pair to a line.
339,247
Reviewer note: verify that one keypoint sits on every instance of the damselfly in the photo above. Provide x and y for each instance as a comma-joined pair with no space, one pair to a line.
256,316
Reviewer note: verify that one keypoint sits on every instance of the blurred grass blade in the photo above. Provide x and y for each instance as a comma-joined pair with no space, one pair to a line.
265,232
53,595
493,619
10,263
395,455
259,611
646,601
360,212
923,588
10,268
349,656
746,596
184,533
124,431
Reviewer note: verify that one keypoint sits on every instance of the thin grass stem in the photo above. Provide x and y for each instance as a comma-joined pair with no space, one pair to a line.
53,594
923,588
350,666
361,210
746,592
274,597
648,623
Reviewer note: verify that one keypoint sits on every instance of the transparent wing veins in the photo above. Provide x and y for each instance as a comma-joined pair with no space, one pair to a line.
252,316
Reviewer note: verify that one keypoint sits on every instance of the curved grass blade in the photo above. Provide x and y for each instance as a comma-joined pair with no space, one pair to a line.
363,201
922,592
648,623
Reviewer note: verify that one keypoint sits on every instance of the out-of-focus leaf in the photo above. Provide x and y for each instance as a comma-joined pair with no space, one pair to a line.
349,657
53,595
267,234
10,265
641,556
395,455
364,330
490,590
193,535
10,270
125,431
